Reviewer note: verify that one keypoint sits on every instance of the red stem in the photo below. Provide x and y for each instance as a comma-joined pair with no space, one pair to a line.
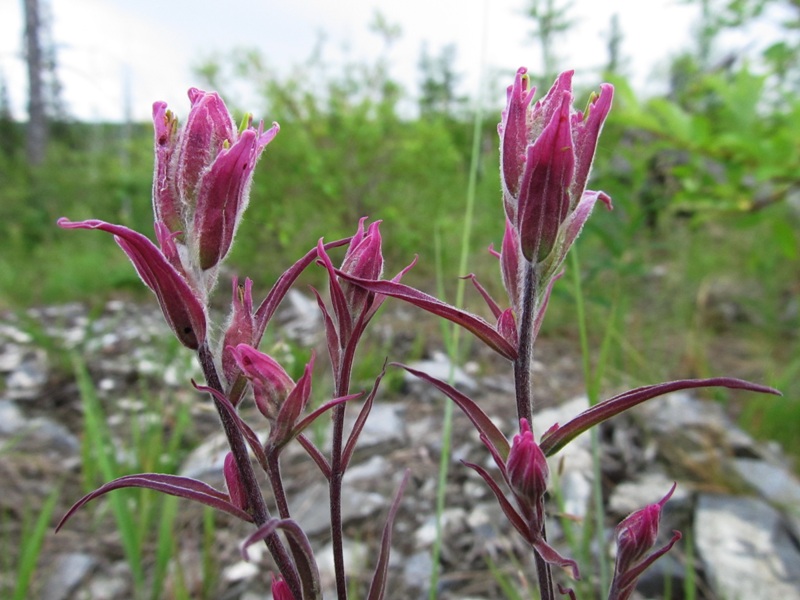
255,498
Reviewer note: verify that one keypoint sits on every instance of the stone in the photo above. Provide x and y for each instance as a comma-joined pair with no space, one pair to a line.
776,485
310,507
26,381
745,548
648,488
65,574
573,463
301,320
441,367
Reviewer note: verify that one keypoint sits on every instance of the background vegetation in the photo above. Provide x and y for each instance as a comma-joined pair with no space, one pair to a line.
698,263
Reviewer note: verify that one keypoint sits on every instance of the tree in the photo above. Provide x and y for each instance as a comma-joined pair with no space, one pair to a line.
438,82
550,20
37,110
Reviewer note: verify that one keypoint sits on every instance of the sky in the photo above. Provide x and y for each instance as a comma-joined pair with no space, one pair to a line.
115,57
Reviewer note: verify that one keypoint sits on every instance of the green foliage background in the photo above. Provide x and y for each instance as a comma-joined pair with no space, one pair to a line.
704,181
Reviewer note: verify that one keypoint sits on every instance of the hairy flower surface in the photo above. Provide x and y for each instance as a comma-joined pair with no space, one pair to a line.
526,467
203,174
636,535
546,153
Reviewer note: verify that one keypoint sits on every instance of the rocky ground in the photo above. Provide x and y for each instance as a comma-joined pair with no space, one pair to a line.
737,502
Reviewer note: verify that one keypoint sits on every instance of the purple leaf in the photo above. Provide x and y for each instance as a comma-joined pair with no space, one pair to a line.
249,435
479,418
350,446
551,556
508,509
174,485
558,437
316,455
472,323
341,311
301,551
308,419
267,308
331,335
377,588
493,306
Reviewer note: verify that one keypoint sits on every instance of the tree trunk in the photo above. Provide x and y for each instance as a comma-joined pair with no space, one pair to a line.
37,113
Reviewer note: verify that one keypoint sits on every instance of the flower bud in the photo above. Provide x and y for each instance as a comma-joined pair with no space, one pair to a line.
224,193
203,174
166,203
240,327
280,589
363,259
636,535
526,467
271,383
233,481
209,128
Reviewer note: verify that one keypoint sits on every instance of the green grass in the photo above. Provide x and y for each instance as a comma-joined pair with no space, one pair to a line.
24,558
144,519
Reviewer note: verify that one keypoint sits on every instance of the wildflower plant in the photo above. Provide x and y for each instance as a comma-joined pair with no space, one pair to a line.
202,176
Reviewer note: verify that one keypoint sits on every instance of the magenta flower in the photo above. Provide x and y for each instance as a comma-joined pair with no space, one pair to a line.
271,383
364,258
240,329
546,153
636,535
233,481
280,589
526,468
203,174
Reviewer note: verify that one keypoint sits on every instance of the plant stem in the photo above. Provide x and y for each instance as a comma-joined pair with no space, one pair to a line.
523,365
544,575
343,374
523,384
255,498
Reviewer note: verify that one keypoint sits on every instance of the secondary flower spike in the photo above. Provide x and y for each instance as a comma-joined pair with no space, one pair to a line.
636,535
546,153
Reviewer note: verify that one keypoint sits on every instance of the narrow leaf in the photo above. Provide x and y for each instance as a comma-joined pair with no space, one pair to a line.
493,306
331,334
472,323
508,509
174,485
551,556
267,308
377,588
301,550
340,308
475,414
309,418
249,435
558,437
316,455
358,426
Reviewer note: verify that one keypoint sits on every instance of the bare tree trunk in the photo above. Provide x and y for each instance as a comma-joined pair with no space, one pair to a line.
37,113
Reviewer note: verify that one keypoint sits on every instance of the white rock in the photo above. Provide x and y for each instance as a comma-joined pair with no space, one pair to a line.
745,548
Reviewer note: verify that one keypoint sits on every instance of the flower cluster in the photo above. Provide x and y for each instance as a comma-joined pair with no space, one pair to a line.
203,171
